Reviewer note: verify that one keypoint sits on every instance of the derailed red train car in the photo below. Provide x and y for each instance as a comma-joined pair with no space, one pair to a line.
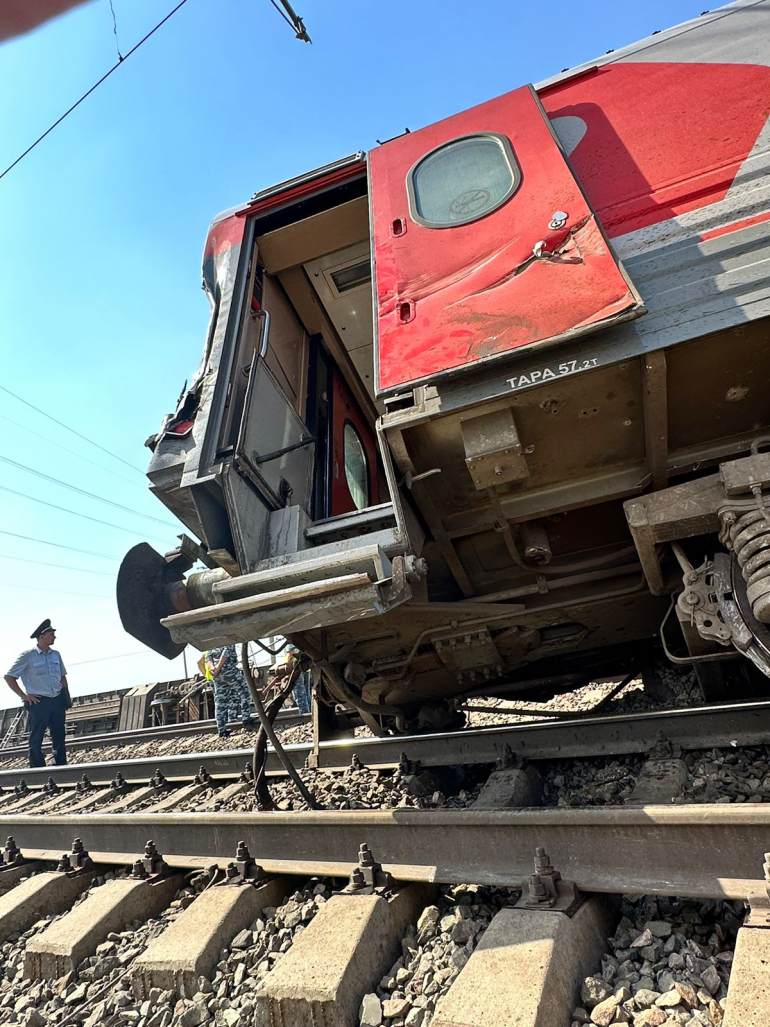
484,411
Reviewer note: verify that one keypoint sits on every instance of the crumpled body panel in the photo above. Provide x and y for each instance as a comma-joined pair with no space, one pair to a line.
450,297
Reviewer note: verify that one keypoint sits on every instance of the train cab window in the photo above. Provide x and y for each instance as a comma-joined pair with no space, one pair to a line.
356,468
462,180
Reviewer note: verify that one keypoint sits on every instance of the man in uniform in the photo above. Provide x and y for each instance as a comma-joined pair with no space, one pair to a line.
232,699
47,697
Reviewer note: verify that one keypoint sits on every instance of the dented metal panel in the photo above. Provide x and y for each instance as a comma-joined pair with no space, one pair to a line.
535,269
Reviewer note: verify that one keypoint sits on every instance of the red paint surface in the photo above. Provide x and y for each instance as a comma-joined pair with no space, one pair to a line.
223,235
466,298
736,226
661,139
345,408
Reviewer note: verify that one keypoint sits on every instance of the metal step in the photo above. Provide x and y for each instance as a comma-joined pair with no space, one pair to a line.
344,527
280,611
313,565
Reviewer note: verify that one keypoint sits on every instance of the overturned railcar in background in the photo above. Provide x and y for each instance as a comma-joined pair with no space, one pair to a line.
484,411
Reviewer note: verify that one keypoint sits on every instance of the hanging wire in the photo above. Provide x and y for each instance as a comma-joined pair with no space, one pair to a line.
115,32
293,19
85,95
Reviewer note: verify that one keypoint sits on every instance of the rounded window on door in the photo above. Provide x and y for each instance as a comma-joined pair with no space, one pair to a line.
462,181
356,467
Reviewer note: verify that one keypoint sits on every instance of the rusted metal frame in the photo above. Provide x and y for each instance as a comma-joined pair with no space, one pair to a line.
655,402
711,454
644,539
395,439
492,848
568,581
386,456
502,526
681,511
525,504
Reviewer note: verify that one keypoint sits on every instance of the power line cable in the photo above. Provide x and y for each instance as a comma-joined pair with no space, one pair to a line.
58,545
77,513
11,585
73,452
59,566
282,14
61,424
101,659
293,19
83,492
85,95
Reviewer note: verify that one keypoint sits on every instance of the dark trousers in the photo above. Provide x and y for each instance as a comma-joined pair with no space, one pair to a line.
301,692
48,713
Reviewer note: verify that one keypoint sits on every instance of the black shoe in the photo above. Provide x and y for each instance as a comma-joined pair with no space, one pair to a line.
251,724
224,734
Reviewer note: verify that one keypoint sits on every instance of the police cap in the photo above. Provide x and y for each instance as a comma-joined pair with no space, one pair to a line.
45,626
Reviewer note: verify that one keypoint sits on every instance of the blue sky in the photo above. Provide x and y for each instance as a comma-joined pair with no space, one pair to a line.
101,313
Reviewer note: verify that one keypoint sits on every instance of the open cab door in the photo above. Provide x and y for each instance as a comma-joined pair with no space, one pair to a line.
317,531
484,242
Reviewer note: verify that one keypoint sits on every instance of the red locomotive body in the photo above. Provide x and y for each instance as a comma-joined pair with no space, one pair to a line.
482,409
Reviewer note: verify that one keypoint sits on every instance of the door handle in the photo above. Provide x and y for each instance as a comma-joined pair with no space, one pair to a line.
265,332
405,312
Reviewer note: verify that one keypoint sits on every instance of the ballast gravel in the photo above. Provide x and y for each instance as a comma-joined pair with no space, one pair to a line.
360,788
100,993
433,952
725,775
673,690
603,781
717,775
239,738
667,965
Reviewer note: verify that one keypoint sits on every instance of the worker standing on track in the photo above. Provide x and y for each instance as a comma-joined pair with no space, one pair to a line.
47,696
301,693
232,699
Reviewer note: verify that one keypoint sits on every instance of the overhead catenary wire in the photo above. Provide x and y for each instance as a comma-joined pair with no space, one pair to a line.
74,431
292,19
83,492
72,452
77,513
102,659
85,96
295,22
58,545
58,566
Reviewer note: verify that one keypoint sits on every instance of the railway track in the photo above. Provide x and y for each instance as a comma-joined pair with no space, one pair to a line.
470,916
198,919
289,717
732,725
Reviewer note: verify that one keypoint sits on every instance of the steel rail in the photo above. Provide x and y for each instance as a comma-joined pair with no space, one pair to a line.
160,733
698,851
737,724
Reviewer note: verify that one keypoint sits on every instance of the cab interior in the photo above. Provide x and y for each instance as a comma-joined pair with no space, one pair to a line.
312,274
